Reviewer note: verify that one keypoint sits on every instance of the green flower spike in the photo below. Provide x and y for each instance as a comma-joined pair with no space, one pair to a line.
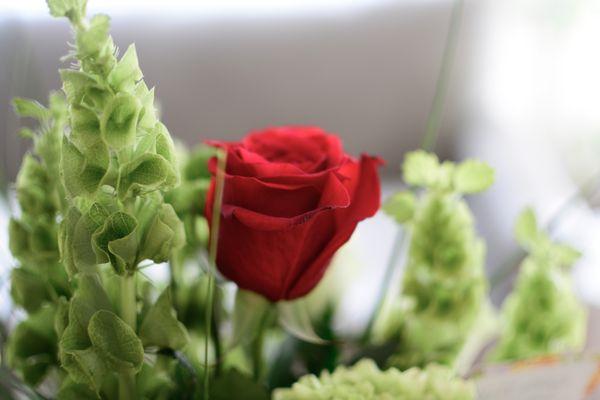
39,280
542,315
444,284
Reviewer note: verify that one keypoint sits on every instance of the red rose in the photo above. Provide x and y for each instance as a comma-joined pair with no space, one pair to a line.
291,198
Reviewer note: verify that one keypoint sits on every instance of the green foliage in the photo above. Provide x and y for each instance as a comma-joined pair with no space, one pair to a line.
31,349
542,315
115,341
189,198
250,312
73,9
473,176
444,285
30,108
365,381
161,327
83,361
401,206
424,170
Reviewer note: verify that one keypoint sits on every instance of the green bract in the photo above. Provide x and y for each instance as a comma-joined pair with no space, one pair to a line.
542,315
444,284
365,381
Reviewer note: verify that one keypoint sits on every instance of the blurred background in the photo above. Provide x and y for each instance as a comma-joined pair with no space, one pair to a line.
523,95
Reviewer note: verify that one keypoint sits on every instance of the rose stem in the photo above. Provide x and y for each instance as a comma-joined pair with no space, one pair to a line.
212,258
257,348
431,135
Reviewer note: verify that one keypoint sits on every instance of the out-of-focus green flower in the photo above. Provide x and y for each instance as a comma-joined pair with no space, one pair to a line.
444,284
188,199
543,315
364,381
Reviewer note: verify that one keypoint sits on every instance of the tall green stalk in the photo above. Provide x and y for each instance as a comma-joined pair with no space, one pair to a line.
212,260
116,160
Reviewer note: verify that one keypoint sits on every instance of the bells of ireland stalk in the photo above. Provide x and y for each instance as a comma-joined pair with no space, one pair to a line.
39,281
117,160
542,315
367,382
444,285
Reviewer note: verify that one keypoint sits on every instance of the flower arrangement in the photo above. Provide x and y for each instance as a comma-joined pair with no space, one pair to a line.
105,193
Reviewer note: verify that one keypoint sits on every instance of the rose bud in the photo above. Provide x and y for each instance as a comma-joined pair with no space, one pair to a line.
291,198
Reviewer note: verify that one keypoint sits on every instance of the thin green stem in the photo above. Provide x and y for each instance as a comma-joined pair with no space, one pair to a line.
212,259
127,389
430,138
441,88
399,241
176,268
216,338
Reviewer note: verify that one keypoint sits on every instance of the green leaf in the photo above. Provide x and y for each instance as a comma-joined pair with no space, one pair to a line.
32,188
196,166
235,385
92,42
71,390
61,318
84,365
72,9
31,347
87,367
473,176
117,242
165,235
81,175
127,72
147,118
119,121
166,148
30,108
65,238
18,238
116,341
43,240
421,168
189,197
445,176
161,327
147,173
26,133
564,254
76,84
85,128
28,289
295,319
401,206
82,247
146,144
89,298
248,314
526,228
